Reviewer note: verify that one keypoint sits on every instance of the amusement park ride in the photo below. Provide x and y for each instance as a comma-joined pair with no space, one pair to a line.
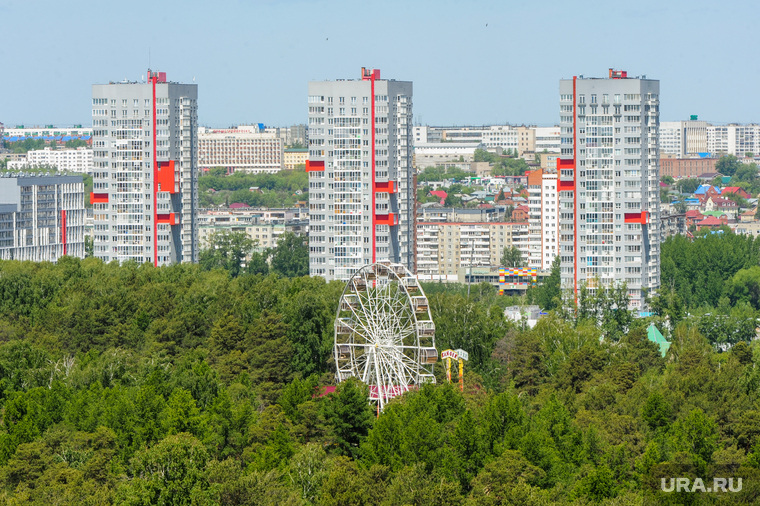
384,334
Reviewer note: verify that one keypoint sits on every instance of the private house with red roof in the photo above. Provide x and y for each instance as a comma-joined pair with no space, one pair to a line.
748,216
693,216
722,205
711,222
736,190
440,194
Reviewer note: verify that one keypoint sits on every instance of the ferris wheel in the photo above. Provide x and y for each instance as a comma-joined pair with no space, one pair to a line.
384,334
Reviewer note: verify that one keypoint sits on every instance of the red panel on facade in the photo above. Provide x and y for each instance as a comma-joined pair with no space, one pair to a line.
170,218
63,230
386,187
389,219
565,164
165,177
566,186
642,217
98,198
315,166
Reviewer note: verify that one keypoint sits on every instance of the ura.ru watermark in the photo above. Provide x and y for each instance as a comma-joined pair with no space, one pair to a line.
697,485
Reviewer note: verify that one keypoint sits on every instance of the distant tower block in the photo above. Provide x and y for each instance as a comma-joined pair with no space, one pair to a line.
362,206
609,172
145,171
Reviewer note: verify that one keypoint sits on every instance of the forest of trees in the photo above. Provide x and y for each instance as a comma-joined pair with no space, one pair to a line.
184,385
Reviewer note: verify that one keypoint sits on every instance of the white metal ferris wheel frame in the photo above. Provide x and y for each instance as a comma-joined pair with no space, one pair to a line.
384,334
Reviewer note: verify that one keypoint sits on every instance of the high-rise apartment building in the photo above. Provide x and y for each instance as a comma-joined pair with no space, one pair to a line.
683,138
41,217
145,172
609,184
733,139
543,218
361,181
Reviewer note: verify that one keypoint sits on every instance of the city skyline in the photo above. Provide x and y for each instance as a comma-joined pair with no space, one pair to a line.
501,62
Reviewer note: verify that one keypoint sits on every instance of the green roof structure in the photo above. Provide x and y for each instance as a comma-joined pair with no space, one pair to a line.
656,337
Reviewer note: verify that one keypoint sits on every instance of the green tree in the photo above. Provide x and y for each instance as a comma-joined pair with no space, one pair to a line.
744,286
696,434
510,479
688,185
549,294
728,165
171,472
258,263
291,256
89,246
227,250
349,416
511,257
310,330
656,411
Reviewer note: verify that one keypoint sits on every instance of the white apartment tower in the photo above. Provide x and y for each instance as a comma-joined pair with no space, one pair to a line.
145,172
543,218
361,180
608,184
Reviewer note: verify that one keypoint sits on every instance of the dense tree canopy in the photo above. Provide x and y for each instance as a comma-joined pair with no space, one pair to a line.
177,385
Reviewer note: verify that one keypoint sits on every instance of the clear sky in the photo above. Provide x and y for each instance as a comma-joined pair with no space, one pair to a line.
472,62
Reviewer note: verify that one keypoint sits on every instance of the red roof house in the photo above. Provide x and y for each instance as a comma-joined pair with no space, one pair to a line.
693,216
736,190
440,194
712,222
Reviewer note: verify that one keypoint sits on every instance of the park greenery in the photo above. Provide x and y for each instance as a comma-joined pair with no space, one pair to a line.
194,384
502,165
30,144
282,189
238,254
439,173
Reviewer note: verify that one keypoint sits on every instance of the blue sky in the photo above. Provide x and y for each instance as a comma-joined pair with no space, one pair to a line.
473,62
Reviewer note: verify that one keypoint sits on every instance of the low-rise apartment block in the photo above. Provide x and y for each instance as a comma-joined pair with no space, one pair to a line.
263,226
42,218
65,160
446,250
293,157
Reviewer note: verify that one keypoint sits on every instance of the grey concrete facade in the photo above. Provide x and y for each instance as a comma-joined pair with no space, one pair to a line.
360,213
609,185
42,218
145,171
